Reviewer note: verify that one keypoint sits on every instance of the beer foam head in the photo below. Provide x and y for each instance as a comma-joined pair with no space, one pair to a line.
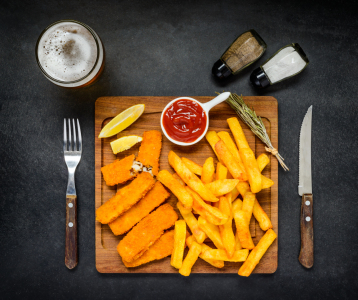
67,51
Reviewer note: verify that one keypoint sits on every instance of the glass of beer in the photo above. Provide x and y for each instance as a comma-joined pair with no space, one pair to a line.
70,54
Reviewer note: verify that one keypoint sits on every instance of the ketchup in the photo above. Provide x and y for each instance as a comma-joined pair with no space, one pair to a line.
184,121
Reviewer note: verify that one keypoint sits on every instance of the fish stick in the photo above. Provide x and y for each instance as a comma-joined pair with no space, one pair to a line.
125,198
119,171
163,247
149,151
146,233
151,200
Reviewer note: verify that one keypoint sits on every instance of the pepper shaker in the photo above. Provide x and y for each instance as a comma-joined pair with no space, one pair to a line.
246,49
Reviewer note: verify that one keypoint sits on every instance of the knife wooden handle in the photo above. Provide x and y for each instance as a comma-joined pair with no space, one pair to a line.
71,252
306,253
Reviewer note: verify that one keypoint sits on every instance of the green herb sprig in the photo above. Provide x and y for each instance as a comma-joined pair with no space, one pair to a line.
255,123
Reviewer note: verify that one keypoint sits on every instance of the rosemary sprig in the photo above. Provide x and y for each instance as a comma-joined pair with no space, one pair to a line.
255,123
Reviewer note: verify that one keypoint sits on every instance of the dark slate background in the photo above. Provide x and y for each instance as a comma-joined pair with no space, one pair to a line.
167,48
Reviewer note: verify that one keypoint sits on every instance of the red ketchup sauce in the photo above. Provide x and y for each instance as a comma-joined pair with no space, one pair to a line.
184,121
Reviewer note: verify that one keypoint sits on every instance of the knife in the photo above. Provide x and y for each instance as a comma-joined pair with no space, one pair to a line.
305,190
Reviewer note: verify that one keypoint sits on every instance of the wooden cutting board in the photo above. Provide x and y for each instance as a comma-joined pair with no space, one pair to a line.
107,257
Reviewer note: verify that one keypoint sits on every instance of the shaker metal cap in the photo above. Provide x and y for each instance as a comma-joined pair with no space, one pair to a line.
220,70
259,79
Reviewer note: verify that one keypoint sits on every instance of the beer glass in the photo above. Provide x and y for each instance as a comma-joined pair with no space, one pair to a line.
70,54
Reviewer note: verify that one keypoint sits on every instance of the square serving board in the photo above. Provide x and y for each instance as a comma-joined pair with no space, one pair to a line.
107,257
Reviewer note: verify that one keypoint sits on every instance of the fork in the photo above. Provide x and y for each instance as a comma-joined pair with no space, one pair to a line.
72,158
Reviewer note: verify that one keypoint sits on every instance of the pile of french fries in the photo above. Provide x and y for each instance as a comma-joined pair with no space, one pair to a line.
214,198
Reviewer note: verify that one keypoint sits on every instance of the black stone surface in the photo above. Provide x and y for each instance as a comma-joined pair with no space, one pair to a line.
168,48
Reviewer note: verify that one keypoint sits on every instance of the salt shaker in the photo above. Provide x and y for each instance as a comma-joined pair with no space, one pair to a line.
245,50
285,63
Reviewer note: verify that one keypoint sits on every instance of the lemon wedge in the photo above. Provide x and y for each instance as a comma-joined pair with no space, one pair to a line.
122,121
124,143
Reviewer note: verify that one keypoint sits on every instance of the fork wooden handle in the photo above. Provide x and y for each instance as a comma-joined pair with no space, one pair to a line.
306,253
71,252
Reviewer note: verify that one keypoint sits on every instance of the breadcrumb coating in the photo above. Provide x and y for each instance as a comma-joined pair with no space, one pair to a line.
163,247
119,171
125,198
149,151
151,200
146,232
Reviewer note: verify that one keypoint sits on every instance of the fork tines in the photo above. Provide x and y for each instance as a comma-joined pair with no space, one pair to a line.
72,144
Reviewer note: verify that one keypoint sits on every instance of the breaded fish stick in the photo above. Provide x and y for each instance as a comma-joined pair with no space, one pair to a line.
151,200
149,151
163,247
146,233
119,171
125,198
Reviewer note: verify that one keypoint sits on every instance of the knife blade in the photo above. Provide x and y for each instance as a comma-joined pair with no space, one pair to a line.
305,190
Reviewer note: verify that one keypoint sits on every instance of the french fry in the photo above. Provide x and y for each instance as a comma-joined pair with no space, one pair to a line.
179,244
261,217
190,259
266,182
243,231
210,213
226,138
237,242
206,215
215,212
257,253
243,187
228,196
212,231
229,161
222,186
216,263
192,166
192,223
226,232
213,138
246,154
203,191
248,204
221,171
220,254
177,177
177,189
258,212
235,192
190,178
208,171
238,133
252,169
262,161
237,205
